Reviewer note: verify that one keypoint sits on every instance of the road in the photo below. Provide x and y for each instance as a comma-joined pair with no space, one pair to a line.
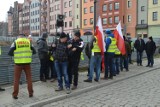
139,91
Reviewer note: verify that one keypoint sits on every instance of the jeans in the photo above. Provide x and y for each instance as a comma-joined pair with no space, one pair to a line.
139,57
61,69
124,62
95,62
108,65
130,58
73,71
150,60
52,68
117,63
44,69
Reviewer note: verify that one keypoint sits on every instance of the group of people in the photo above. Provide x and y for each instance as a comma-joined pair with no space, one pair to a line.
62,58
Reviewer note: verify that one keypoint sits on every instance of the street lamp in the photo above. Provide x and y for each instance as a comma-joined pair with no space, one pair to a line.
95,1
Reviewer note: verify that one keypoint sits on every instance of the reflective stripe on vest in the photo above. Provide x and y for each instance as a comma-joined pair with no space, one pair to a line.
112,47
23,53
82,56
51,58
96,47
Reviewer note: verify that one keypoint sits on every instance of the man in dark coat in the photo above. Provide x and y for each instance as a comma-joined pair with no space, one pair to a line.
43,56
150,50
140,47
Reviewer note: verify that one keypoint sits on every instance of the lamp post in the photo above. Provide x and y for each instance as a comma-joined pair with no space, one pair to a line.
95,1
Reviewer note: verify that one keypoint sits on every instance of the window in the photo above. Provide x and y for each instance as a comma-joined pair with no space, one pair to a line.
85,21
104,21
116,19
85,1
70,3
85,10
129,3
142,8
155,16
77,5
91,21
142,21
155,1
110,6
65,14
91,9
77,17
116,6
65,24
104,8
70,13
110,20
65,5
70,23
129,18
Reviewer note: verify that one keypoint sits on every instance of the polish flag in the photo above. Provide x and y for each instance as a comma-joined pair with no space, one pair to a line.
100,37
119,37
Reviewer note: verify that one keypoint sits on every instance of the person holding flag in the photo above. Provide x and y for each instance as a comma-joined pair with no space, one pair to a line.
97,53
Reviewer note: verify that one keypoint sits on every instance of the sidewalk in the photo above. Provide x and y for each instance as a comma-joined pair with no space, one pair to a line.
44,93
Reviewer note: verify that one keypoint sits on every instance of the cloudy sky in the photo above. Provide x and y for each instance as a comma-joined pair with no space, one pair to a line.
4,7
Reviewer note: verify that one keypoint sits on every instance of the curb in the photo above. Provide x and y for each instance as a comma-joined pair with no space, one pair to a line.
84,90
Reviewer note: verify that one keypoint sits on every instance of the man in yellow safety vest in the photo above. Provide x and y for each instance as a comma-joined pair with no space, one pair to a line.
22,51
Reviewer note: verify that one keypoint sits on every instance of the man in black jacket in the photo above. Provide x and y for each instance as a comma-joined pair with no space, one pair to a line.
74,58
43,56
140,47
150,50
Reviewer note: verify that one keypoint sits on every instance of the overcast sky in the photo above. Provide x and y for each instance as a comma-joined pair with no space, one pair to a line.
4,7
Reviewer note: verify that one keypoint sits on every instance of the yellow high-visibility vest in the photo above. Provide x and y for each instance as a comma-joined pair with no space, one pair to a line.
82,56
112,47
23,52
96,47
0,50
51,58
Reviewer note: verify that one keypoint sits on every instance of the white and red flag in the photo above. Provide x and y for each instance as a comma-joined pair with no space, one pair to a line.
100,37
119,37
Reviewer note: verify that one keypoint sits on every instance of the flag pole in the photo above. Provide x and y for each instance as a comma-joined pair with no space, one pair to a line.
95,1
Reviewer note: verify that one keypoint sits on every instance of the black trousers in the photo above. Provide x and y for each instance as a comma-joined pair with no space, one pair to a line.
44,69
73,71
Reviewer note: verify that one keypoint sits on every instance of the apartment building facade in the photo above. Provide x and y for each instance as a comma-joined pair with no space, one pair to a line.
87,20
112,12
35,18
142,18
154,18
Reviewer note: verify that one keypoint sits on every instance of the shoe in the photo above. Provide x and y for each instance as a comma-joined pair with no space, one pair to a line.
147,65
59,89
68,91
141,65
111,77
53,80
87,80
74,87
1,89
151,66
15,97
95,80
30,96
43,80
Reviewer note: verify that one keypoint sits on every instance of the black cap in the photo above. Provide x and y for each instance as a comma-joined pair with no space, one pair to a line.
77,33
44,35
63,35
150,38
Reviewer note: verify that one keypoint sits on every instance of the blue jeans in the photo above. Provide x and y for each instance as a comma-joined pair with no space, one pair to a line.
139,57
61,69
117,63
124,62
150,60
95,62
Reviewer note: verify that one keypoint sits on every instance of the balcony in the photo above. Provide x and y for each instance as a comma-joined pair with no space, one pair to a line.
141,26
44,6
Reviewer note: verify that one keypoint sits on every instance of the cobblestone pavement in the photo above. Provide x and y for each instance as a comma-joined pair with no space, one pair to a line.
44,91
139,91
